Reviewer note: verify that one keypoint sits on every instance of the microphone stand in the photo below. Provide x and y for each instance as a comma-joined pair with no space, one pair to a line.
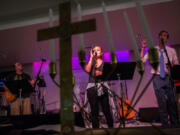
36,81
122,118
171,79
20,100
37,77
95,79
170,68
169,63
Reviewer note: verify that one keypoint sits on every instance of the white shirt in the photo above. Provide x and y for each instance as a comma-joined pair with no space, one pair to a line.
172,57
99,86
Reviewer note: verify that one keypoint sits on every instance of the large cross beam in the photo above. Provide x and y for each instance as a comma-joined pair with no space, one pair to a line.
64,32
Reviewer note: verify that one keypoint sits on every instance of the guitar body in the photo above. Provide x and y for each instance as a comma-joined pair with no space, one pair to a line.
9,96
127,112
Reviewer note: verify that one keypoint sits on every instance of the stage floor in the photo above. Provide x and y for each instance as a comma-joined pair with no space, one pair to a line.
132,128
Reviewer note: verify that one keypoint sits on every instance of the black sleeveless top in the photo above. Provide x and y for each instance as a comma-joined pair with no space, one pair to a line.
92,77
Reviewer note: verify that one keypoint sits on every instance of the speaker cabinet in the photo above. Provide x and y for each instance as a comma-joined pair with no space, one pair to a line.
150,114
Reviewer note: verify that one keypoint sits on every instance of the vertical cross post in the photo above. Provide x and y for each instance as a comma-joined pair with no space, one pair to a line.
64,32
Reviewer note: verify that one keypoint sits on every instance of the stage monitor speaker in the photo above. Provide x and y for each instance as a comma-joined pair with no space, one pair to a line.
150,114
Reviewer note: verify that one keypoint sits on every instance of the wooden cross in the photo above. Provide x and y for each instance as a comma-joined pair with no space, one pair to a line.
64,32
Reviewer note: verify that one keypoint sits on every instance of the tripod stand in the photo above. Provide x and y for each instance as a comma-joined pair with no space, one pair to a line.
41,93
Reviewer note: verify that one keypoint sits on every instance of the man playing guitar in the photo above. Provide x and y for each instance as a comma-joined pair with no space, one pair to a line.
18,88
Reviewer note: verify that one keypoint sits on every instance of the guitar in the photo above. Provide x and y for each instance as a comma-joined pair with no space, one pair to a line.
9,96
125,111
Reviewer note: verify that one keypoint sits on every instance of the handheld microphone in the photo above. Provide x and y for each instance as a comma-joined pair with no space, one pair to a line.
95,53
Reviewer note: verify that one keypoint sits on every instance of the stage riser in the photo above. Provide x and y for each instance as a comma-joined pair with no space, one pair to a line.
30,121
126,131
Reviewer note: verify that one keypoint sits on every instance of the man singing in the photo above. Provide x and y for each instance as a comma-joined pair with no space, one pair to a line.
162,83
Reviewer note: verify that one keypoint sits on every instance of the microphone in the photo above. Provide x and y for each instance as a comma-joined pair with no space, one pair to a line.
95,53
43,60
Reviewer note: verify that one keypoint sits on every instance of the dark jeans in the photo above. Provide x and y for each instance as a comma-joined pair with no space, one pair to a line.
166,100
94,101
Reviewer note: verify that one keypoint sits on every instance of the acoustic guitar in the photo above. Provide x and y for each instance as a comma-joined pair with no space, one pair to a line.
125,111
8,95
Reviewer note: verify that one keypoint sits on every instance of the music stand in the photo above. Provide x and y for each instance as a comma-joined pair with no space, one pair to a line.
124,69
120,71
